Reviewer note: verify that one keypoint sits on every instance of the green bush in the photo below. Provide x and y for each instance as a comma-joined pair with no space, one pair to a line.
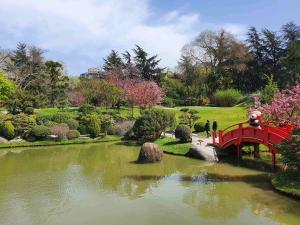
61,117
83,129
152,123
60,130
94,128
29,110
73,124
50,124
86,109
183,133
107,124
23,123
42,119
228,97
290,150
7,129
73,134
39,132
199,127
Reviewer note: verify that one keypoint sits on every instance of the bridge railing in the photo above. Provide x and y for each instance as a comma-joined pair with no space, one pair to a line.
265,133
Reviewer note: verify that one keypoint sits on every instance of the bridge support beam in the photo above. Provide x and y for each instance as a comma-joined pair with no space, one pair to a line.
274,159
256,150
238,148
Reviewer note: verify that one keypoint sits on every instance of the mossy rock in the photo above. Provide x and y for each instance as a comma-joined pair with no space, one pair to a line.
150,153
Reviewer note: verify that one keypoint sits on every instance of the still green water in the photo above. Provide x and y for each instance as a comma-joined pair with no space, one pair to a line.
100,184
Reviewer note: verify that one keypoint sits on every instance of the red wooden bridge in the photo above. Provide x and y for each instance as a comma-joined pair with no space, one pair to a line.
240,134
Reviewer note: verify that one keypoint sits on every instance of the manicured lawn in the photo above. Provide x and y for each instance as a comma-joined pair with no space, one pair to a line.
287,182
63,142
122,113
171,145
225,116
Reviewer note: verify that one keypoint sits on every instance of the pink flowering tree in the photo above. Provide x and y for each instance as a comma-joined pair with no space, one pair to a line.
284,108
76,98
138,92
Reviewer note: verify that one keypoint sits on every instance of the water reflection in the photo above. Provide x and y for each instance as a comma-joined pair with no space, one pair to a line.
50,186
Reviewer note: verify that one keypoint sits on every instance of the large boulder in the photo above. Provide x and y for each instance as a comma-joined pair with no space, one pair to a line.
150,153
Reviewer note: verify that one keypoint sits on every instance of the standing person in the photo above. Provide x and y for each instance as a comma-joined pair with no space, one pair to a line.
207,128
215,127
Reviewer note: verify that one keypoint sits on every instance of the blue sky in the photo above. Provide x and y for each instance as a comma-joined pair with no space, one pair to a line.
81,32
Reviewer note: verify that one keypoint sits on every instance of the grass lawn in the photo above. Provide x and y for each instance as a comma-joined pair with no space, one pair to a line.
288,183
124,112
172,146
63,142
225,116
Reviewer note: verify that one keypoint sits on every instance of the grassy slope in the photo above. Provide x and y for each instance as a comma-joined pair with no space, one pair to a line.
63,142
170,145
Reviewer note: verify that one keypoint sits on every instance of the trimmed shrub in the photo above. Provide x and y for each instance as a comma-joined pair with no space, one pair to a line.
39,132
152,124
73,134
86,109
61,117
228,97
29,110
199,127
23,123
50,124
94,127
72,124
42,119
60,130
7,129
183,133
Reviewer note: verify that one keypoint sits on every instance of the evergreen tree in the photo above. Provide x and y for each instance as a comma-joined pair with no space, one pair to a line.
58,83
148,66
112,61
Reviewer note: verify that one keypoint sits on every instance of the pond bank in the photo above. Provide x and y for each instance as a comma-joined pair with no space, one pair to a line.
54,143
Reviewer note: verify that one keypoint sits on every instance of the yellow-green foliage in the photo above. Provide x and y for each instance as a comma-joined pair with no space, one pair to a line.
7,129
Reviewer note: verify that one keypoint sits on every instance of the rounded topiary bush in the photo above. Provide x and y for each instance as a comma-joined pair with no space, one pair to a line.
61,117
199,127
72,124
150,153
73,134
87,109
39,131
7,129
29,110
183,133
228,97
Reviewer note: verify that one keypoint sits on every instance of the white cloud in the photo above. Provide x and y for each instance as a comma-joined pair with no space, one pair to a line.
82,32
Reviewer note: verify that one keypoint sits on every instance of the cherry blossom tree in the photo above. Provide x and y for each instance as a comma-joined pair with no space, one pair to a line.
284,108
76,98
137,91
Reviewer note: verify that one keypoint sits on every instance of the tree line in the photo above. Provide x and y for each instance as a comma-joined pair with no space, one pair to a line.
213,61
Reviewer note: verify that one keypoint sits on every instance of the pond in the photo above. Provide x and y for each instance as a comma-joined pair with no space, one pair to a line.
100,184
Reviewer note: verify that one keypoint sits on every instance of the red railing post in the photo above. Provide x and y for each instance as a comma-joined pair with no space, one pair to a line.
220,137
